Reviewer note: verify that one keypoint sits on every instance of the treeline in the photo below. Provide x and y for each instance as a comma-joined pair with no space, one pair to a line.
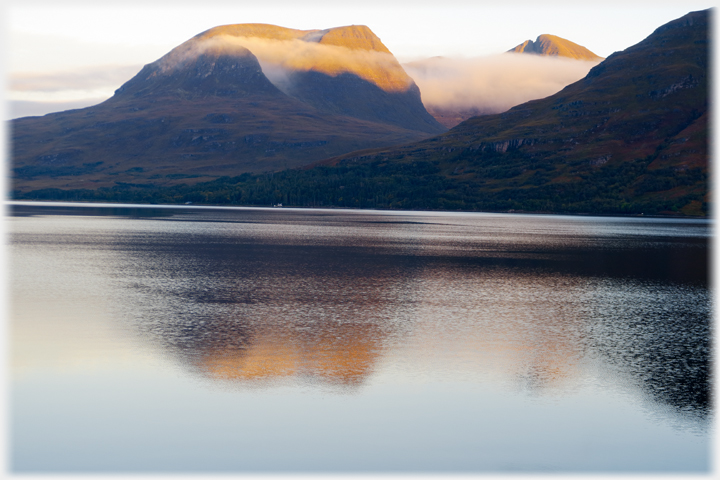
421,186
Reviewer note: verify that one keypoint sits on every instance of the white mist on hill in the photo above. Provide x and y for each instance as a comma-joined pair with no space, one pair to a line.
279,58
495,83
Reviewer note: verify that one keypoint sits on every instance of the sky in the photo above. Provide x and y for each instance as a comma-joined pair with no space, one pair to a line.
68,54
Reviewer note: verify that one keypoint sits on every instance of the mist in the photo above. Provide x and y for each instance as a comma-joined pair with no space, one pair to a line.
492,84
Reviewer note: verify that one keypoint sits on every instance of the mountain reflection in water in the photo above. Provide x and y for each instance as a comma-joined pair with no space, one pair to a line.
538,303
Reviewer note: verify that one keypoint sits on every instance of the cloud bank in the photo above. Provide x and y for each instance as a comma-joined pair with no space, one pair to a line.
38,93
78,79
492,84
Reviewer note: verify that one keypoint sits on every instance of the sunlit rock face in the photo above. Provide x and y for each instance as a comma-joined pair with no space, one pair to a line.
555,46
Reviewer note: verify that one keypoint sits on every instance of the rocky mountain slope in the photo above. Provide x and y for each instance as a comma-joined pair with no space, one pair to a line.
555,46
208,108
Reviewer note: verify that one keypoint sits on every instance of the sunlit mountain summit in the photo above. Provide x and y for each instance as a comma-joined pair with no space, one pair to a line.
345,70
233,99
552,45
352,49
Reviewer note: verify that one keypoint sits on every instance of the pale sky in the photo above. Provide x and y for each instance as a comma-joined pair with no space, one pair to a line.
59,54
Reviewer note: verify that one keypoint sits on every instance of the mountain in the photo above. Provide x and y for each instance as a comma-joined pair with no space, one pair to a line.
555,46
631,137
209,108
346,71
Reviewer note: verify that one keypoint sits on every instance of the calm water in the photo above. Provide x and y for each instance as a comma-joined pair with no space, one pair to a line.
186,339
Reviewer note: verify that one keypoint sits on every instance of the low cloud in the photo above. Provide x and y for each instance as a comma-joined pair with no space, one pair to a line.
495,83
36,93
86,78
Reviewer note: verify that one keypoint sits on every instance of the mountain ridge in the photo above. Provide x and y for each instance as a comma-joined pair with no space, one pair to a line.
357,37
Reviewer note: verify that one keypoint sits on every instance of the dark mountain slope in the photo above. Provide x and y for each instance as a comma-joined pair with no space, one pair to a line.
350,95
210,73
204,110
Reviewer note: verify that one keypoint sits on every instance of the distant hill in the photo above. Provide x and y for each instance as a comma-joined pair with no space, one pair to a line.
555,46
208,109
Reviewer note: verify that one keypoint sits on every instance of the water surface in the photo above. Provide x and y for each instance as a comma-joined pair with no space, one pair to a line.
188,339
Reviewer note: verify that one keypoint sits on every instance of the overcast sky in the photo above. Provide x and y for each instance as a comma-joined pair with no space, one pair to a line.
62,54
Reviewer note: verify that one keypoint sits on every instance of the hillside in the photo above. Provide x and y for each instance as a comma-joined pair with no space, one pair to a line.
208,109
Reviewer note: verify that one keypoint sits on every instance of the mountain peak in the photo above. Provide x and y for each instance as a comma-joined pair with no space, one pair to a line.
254,30
315,51
354,37
552,45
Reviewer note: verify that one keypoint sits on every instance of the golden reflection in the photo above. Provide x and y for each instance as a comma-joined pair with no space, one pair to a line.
337,353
